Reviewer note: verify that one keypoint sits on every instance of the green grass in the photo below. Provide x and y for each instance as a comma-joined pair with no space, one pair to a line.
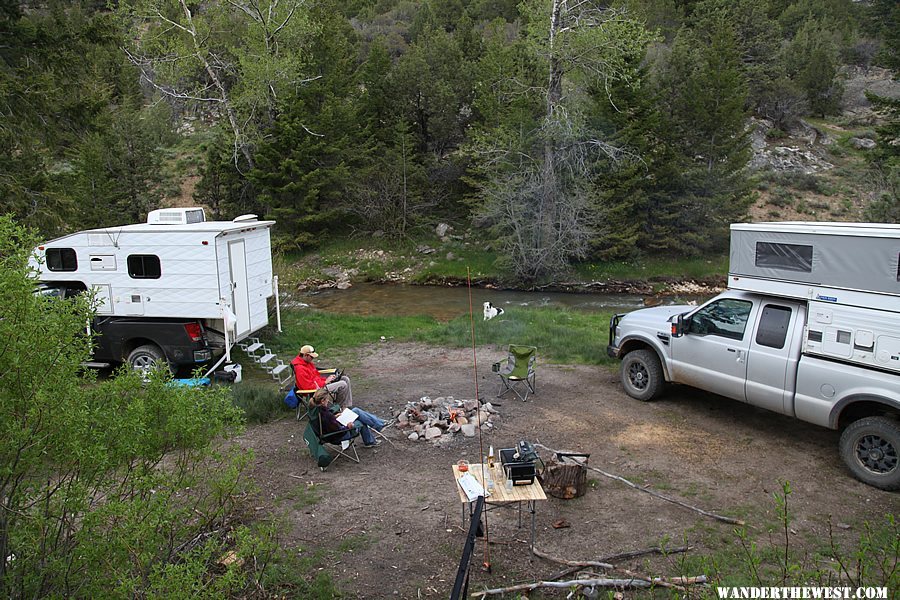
655,267
560,335
304,496
397,256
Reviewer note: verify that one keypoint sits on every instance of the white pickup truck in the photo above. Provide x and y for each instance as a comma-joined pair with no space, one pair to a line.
825,355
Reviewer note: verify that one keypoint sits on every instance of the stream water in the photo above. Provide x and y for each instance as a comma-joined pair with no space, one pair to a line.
446,303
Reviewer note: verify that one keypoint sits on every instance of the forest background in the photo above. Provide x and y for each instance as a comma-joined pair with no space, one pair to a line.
563,131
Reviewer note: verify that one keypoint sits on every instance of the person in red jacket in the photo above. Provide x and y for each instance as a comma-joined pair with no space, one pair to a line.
307,377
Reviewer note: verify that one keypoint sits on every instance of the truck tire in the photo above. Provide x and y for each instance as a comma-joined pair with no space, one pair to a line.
642,375
871,448
147,357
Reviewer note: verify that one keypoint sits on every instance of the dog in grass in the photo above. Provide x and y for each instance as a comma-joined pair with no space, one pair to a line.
491,311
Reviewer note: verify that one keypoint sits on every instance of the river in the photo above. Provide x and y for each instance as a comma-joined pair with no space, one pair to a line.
445,303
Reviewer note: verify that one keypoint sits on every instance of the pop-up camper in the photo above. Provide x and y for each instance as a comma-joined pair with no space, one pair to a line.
175,268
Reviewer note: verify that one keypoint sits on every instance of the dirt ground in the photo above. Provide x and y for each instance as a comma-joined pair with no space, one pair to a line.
392,524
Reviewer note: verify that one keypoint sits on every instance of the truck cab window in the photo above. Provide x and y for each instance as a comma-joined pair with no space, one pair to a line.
773,326
725,318
144,266
62,259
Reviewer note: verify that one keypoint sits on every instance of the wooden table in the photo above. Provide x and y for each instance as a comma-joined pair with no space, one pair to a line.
502,495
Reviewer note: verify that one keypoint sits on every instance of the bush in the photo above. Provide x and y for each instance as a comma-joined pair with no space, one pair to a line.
260,403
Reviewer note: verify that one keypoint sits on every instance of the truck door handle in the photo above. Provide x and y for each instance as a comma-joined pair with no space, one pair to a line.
740,354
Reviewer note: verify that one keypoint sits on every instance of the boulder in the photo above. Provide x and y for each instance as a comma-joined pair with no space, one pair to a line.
432,432
442,229
862,143
468,429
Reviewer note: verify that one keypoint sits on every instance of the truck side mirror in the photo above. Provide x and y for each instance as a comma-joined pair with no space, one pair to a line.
679,326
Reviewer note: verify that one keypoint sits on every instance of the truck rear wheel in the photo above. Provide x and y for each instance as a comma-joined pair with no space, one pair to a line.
642,375
147,357
871,448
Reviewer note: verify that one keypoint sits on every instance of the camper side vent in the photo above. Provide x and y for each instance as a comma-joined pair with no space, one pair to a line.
176,216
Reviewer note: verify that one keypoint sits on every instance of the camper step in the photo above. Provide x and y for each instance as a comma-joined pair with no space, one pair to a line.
265,358
279,369
253,347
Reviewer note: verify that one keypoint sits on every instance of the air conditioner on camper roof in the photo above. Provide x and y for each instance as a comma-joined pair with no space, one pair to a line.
176,216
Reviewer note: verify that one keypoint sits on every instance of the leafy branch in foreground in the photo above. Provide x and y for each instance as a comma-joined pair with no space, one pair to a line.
110,488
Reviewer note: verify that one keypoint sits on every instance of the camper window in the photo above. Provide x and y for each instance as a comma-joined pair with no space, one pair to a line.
61,259
789,257
144,266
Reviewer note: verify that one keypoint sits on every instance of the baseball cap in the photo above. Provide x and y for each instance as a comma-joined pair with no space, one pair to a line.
307,349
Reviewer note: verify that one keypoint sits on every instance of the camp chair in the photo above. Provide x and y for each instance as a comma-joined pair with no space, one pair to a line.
321,446
304,396
516,371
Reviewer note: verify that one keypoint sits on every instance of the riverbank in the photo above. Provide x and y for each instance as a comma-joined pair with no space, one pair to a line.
454,261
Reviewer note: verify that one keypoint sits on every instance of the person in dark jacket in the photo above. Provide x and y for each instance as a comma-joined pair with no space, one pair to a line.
366,421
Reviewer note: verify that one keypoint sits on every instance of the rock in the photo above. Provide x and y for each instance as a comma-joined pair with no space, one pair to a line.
432,432
862,143
377,234
487,406
442,229
423,249
343,285
470,405
413,436
462,420
468,429
451,256
454,427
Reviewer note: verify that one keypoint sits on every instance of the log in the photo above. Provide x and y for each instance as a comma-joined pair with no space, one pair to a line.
564,480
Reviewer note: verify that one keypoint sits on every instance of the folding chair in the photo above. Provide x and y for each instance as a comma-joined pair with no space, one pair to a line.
306,395
329,442
516,371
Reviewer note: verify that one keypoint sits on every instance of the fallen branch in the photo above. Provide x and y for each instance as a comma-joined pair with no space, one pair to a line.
576,566
655,494
636,553
573,563
597,582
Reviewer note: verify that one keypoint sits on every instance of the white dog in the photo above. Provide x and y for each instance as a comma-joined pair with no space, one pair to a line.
491,311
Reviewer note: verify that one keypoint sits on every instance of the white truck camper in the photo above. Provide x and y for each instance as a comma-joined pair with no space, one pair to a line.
809,327
177,288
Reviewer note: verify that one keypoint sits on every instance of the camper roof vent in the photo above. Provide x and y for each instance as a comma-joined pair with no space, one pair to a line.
245,218
176,216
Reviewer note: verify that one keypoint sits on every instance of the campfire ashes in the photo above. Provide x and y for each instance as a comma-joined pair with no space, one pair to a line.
431,418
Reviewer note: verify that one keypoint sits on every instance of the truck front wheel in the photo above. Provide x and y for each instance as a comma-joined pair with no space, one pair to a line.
871,448
642,375
147,357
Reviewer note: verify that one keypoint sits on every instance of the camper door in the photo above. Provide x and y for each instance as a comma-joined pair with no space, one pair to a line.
240,290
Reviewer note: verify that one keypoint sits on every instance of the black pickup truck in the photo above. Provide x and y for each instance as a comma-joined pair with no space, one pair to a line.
142,342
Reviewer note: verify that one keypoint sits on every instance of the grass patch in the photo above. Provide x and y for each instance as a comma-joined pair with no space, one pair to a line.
560,335
305,495
375,258
651,267
260,403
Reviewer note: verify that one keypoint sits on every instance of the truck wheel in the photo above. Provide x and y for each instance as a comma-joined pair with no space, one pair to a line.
642,375
871,448
147,357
